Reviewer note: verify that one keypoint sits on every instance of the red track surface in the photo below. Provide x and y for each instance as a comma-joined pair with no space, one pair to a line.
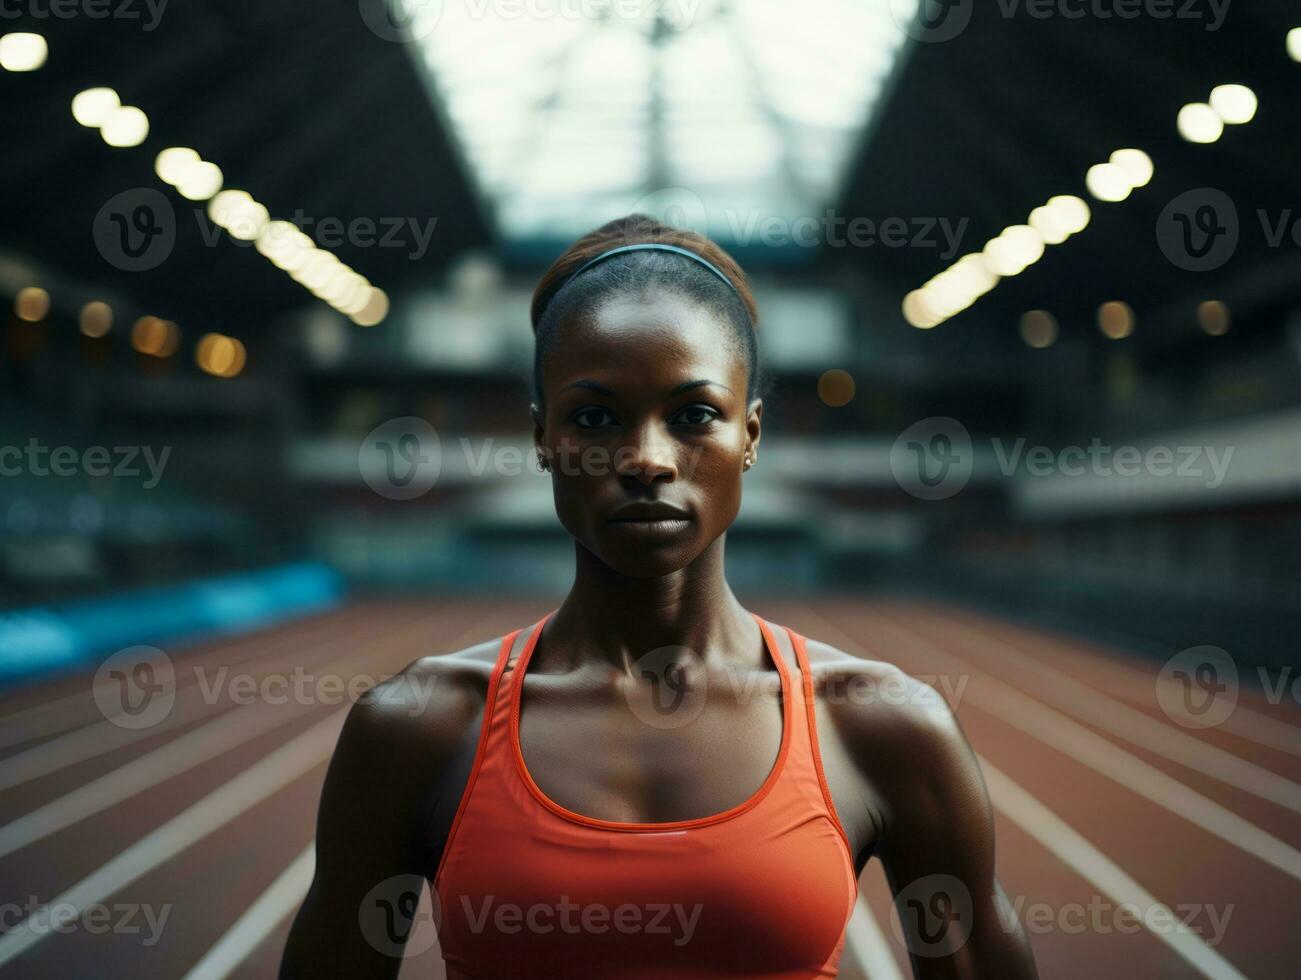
1100,797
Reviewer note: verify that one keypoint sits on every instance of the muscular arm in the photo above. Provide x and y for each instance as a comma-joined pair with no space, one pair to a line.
937,836
370,840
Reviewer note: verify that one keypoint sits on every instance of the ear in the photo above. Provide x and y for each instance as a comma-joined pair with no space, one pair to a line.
539,426
753,427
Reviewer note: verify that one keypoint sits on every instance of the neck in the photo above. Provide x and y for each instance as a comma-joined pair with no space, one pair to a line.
613,619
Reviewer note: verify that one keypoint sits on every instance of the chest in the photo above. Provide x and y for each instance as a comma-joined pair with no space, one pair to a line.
661,759
651,756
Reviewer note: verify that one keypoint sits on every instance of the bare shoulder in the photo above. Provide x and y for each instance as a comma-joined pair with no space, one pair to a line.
425,708
878,706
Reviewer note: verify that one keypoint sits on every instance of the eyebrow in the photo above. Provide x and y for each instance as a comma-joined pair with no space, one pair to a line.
677,389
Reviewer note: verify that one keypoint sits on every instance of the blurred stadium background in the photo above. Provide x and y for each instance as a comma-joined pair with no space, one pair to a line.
1030,281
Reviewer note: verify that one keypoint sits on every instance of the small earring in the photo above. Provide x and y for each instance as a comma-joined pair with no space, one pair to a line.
748,462
543,466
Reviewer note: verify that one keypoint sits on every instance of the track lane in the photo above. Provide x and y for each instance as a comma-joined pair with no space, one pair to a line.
211,882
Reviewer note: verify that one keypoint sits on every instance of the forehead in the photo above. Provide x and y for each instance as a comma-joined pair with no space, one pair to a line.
655,335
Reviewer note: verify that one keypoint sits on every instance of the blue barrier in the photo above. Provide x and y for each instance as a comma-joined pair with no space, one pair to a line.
51,638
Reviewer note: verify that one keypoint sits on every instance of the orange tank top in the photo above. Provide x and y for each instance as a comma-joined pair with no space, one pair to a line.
529,889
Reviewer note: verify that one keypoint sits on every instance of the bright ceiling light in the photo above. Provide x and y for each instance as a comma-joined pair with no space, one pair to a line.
1214,317
125,126
1136,164
916,313
1109,182
93,106
1235,104
1039,329
220,355
1051,230
1027,245
32,304
1116,319
201,181
375,309
224,206
1294,44
1199,123
22,52
1016,248
318,270
172,164
237,212
96,318
1069,211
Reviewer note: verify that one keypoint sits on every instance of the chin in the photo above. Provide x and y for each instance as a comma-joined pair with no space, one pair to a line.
637,559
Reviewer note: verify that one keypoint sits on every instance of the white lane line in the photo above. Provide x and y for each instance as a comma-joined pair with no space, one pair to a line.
261,919
104,736
1104,874
1245,722
1053,728
41,720
867,944
1249,724
185,752
295,758
1120,719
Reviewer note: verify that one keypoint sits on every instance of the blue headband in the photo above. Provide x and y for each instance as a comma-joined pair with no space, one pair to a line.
647,247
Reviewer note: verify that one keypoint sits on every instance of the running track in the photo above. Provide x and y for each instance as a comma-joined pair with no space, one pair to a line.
1101,798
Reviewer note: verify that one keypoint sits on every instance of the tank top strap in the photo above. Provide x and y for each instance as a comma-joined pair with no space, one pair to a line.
513,646
493,741
806,756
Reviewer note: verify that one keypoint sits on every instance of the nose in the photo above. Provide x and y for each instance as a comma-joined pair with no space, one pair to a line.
647,457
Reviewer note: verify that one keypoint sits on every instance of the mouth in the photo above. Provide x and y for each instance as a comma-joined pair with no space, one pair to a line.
652,520
642,513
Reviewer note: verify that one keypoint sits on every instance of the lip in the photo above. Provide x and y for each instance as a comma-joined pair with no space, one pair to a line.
643,512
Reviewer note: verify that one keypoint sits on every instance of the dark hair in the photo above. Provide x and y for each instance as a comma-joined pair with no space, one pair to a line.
556,297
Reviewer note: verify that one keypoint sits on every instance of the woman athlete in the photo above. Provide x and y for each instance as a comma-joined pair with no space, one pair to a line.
651,782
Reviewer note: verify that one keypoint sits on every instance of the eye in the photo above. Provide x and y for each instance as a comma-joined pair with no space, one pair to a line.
591,417
696,415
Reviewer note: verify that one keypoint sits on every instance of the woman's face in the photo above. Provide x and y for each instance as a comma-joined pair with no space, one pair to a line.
646,430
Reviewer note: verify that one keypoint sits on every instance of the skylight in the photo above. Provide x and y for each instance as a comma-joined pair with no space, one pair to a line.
720,114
